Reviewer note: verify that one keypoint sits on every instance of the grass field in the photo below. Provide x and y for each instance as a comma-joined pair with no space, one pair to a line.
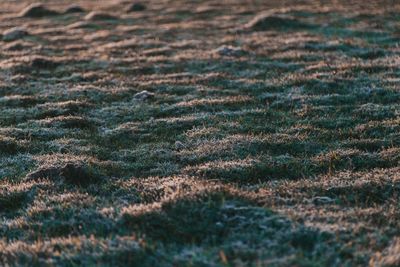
200,133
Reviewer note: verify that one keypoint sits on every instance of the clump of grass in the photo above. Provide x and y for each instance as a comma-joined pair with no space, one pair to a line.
184,220
268,21
20,100
64,108
14,200
206,218
80,174
8,145
73,173
370,53
250,170
224,222
69,122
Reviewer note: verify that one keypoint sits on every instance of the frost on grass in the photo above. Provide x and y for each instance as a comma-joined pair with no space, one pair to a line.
199,134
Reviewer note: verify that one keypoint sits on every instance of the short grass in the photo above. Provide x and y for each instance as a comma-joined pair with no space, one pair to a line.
272,139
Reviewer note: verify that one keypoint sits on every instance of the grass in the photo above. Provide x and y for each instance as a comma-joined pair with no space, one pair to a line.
271,140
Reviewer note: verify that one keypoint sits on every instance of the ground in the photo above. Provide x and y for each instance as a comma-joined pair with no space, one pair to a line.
268,133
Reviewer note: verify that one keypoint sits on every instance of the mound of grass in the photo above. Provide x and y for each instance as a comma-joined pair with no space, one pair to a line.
80,174
267,21
8,145
12,201
74,173
36,10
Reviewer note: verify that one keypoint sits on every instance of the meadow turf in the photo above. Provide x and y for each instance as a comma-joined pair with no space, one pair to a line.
268,135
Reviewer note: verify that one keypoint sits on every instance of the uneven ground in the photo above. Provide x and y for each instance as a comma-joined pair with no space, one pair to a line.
273,142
